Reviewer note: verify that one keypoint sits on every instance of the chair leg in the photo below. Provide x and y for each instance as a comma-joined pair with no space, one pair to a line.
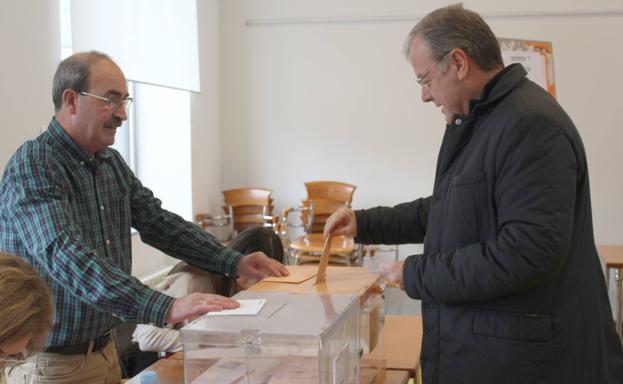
295,258
619,297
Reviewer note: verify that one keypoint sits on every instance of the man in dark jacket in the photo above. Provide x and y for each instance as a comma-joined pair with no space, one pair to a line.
511,285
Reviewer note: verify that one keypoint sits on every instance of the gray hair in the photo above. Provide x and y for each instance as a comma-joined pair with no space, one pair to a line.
454,27
73,73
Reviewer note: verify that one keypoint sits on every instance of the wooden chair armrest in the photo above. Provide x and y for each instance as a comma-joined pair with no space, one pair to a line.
285,212
206,220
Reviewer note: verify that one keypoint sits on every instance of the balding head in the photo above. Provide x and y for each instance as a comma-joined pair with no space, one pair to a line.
73,73
455,27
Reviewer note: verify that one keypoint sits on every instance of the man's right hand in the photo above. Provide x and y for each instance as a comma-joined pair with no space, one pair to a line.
341,222
196,304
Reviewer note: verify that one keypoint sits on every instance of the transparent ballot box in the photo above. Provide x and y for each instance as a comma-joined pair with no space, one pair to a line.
356,281
305,339
372,369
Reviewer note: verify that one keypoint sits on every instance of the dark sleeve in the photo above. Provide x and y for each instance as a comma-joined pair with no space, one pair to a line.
402,224
535,191
177,237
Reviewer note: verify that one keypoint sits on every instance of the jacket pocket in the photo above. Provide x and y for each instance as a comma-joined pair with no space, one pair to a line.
516,346
464,214
469,178
514,326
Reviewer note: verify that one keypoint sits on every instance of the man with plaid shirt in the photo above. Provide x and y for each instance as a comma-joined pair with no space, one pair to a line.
67,205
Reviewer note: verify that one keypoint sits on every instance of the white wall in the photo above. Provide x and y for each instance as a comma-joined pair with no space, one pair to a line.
307,101
185,163
163,162
205,134
162,130
30,46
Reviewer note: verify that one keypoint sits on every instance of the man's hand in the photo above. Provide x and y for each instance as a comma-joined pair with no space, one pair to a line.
341,222
392,273
196,304
256,266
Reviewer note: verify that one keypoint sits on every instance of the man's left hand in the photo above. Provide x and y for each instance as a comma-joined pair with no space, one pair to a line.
256,266
392,273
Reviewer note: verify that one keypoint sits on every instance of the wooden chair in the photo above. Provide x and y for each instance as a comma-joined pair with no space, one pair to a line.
331,190
327,191
244,208
323,198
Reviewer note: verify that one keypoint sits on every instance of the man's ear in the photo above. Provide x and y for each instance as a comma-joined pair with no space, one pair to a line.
70,100
460,61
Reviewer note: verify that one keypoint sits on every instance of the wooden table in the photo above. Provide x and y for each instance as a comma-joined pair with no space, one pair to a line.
171,371
612,257
400,343
397,377
340,280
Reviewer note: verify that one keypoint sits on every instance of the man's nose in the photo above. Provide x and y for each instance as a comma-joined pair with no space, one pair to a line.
426,96
121,113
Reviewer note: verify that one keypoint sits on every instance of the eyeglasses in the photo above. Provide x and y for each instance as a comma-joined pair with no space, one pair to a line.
423,82
114,102
13,360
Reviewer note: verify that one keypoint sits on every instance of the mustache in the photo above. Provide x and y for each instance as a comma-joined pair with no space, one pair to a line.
113,123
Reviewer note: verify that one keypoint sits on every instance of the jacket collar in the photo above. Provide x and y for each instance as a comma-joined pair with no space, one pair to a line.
460,130
498,87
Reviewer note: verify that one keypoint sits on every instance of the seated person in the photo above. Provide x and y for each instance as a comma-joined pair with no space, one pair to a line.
25,311
184,279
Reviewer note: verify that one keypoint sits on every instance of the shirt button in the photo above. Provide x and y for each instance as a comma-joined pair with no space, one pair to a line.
102,207
82,163
107,242
458,122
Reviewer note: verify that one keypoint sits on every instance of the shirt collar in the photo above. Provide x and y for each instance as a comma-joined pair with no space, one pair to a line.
59,135
496,89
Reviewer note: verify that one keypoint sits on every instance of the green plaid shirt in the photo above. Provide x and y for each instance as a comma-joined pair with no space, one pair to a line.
69,216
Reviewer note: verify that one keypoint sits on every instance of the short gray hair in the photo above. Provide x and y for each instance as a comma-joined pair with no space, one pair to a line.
454,27
73,73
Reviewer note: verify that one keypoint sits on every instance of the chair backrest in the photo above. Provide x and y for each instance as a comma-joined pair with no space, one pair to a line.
318,213
332,190
248,207
324,198
247,196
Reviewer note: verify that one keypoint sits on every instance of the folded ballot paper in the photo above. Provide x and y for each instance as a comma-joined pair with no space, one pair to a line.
247,307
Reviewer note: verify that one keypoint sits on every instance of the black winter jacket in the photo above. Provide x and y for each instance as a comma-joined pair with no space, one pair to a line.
511,285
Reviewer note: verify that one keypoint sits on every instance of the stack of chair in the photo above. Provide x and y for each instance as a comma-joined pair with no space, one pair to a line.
243,208
323,198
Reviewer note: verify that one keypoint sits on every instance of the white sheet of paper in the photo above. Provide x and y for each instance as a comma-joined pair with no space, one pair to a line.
247,307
